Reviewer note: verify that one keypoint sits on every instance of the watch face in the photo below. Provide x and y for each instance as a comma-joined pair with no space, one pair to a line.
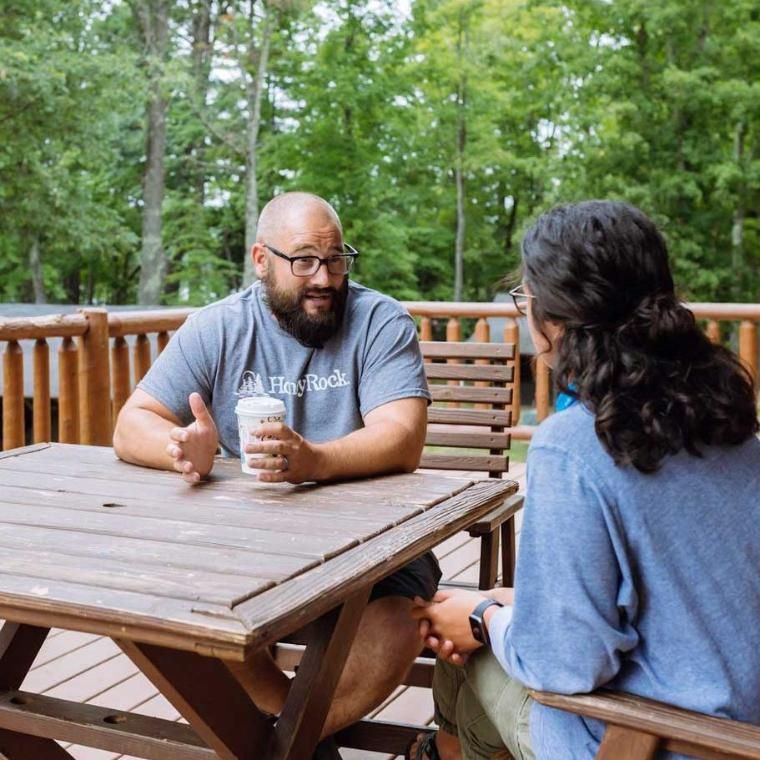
476,626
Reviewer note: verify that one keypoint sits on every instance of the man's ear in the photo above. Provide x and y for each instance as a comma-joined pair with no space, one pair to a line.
260,259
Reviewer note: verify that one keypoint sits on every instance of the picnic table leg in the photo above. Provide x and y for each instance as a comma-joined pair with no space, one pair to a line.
208,696
19,645
14,746
298,730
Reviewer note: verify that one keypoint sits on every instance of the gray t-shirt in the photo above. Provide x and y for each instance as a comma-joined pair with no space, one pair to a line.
235,347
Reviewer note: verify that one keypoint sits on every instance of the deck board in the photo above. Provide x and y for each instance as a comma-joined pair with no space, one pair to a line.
87,668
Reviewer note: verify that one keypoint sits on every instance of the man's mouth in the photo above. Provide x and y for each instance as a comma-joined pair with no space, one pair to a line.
318,297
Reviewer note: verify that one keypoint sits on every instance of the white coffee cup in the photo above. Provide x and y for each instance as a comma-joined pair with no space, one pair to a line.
252,412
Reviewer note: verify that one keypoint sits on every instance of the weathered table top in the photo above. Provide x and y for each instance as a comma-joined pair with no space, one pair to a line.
90,543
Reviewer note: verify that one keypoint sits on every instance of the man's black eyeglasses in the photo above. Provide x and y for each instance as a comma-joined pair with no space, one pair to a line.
307,266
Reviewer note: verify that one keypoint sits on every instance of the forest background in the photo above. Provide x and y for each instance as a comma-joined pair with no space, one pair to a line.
140,138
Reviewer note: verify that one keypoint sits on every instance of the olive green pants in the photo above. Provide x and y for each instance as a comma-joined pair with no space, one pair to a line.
483,706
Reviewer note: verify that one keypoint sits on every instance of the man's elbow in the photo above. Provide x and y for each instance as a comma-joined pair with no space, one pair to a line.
412,453
119,439
126,431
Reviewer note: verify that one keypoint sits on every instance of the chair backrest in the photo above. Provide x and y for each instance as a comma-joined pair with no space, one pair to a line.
471,385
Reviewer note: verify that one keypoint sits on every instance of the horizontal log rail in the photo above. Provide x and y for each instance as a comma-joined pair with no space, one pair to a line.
98,368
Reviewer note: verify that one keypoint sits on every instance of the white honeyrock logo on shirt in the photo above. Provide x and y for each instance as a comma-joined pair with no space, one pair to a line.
252,384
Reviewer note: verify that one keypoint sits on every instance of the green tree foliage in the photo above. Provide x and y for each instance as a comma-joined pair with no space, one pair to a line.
663,111
438,128
65,119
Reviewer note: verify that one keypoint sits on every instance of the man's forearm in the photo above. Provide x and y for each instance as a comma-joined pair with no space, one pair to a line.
380,448
141,437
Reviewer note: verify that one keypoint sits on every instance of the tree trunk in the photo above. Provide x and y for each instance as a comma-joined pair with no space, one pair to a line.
510,213
461,222
72,285
35,265
737,227
201,56
254,89
461,141
153,18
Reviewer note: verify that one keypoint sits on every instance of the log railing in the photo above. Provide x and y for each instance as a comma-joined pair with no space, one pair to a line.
96,374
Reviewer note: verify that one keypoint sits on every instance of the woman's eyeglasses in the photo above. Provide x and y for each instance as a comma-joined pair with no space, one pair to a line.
520,298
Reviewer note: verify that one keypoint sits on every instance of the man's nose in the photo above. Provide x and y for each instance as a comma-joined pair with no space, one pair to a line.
321,277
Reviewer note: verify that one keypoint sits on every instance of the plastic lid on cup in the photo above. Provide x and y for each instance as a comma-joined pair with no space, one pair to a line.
262,405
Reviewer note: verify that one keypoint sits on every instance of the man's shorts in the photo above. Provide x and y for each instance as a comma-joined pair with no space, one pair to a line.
419,578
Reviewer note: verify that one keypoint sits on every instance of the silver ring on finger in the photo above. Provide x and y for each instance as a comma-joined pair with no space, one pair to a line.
285,463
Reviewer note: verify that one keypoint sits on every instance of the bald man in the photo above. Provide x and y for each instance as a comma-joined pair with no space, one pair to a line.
346,362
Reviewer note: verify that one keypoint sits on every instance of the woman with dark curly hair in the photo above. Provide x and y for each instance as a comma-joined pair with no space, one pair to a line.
639,559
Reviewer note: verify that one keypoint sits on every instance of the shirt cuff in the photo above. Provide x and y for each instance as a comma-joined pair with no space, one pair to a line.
497,632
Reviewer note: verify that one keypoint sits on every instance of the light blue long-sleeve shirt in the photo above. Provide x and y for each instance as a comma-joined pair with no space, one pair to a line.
648,584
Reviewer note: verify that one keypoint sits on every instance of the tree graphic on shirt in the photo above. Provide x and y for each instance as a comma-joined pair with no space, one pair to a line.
251,385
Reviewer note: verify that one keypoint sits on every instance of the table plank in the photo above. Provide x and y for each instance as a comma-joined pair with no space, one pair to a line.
230,512
174,582
94,546
120,524
354,502
163,620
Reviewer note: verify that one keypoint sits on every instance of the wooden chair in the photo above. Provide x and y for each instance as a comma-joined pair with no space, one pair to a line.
471,385
638,728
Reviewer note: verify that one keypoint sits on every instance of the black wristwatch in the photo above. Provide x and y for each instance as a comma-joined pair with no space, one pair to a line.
478,626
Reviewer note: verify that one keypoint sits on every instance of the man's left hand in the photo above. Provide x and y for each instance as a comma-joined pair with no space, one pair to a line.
290,457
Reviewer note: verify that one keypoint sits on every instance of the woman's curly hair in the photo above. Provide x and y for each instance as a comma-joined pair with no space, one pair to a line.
628,349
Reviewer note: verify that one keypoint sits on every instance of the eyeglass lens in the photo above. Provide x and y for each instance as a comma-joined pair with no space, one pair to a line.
308,265
521,302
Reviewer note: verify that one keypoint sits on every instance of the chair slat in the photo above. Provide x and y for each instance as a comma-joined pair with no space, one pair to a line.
465,462
463,439
467,393
493,372
448,350
491,417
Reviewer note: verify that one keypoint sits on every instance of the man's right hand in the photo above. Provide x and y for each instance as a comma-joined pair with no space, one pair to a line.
192,448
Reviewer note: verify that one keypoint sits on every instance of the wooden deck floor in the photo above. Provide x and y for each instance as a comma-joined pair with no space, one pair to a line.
91,669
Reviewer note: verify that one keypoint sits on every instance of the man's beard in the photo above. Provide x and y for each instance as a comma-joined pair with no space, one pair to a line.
312,330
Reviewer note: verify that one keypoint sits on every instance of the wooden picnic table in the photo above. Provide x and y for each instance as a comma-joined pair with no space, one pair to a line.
183,578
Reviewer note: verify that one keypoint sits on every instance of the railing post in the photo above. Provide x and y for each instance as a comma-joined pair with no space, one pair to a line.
482,335
68,393
41,391
13,396
141,356
512,335
713,330
94,380
748,346
119,374
426,329
453,335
